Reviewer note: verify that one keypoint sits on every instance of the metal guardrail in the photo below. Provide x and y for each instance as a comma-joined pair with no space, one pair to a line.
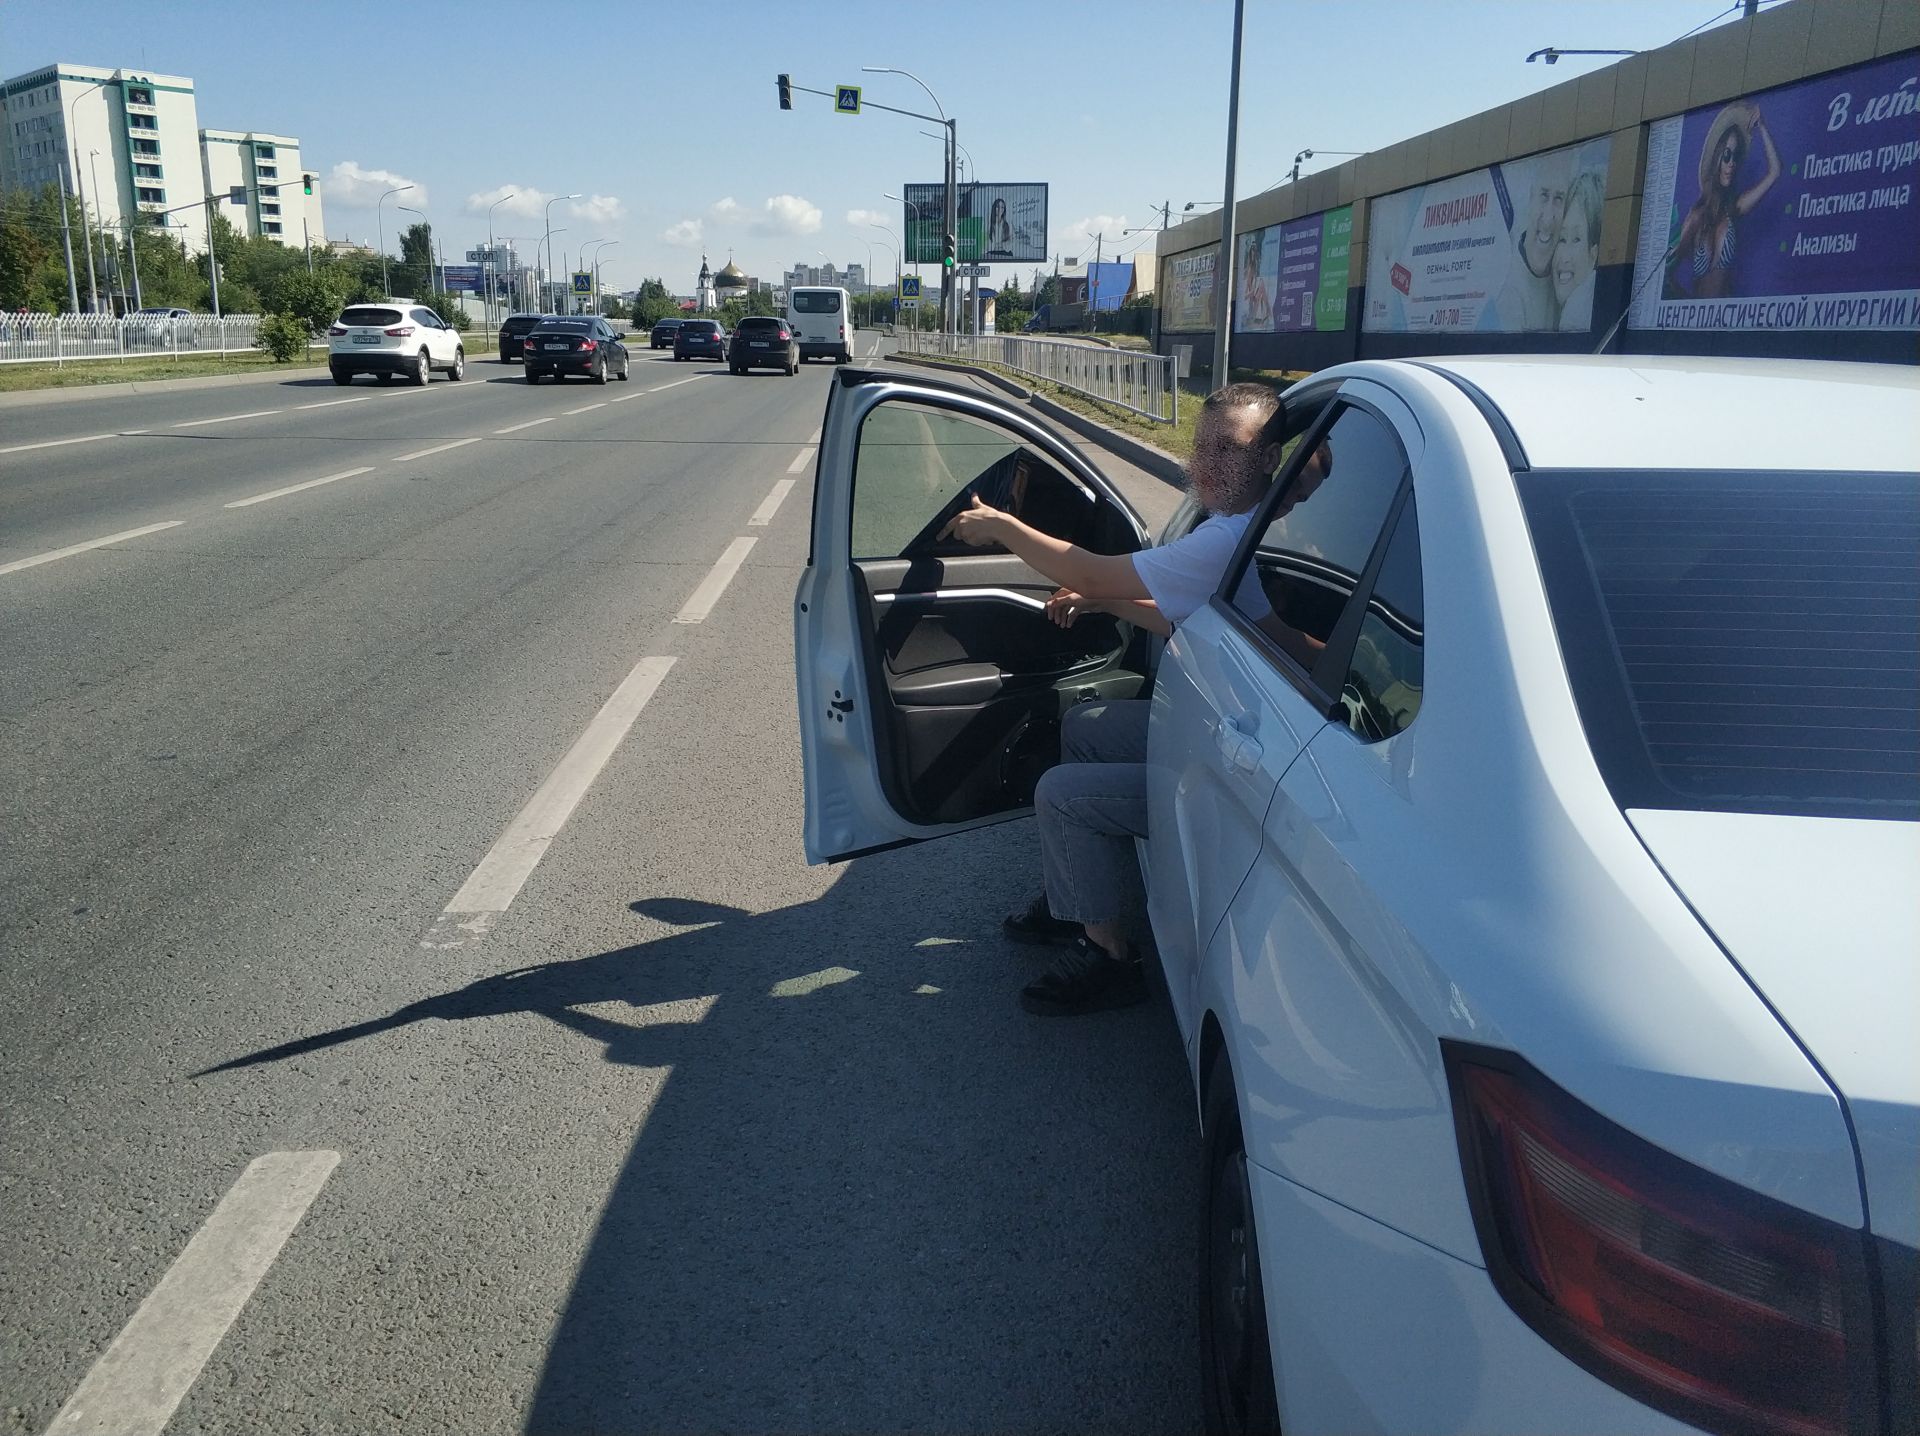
60,338
1130,379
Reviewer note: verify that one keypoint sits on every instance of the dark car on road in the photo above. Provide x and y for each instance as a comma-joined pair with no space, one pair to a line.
514,330
575,346
700,339
764,342
663,333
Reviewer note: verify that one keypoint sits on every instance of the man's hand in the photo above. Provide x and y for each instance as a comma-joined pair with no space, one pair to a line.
979,525
1066,607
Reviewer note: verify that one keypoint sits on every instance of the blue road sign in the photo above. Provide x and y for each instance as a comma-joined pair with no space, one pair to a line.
909,286
582,283
846,99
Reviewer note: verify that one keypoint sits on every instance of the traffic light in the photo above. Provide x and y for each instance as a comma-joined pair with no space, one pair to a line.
307,181
786,92
952,252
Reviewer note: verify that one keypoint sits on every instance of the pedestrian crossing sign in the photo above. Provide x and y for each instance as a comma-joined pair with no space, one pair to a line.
846,99
909,286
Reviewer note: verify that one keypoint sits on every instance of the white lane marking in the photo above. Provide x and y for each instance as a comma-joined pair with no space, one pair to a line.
295,488
516,428
805,458
816,437
438,449
226,418
138,1382
763,515
715,583
624,397
584,407
41,558
493,885
56,443
329,403
662,388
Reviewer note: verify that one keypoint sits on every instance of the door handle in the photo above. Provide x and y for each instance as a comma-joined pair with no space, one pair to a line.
1239,748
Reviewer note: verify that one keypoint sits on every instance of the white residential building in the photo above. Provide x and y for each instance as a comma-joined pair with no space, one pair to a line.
121,138
269,169
853,278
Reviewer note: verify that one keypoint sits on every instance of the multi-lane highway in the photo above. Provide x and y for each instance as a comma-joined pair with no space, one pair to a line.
418,1015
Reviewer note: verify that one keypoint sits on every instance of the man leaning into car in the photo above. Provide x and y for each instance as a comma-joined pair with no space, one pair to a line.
1094,803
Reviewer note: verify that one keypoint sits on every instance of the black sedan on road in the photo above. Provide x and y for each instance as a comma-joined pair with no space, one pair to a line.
763,342
575,346
513,333
700,339
663,333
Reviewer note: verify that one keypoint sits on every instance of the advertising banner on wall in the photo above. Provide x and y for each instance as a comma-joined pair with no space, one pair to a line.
1792,208
1186,290
998,224
1504,250
1293,276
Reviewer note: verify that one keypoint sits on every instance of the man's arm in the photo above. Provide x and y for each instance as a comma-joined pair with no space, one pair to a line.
1098,575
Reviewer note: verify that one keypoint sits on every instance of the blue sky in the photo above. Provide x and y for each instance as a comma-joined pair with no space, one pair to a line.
664,115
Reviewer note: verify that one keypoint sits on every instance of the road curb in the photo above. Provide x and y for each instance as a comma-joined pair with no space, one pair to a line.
1142,455
19,399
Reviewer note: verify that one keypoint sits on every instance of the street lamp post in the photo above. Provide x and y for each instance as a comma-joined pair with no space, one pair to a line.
492,318
896,262
596,245
916,256
1293,175
73,170
947,305
100,229
1223,277
543,264
379,217
549,217
1552,54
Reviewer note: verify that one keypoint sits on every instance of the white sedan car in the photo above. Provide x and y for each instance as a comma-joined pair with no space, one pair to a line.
1533,866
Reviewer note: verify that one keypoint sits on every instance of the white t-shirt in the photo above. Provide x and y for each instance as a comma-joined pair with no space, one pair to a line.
1181,576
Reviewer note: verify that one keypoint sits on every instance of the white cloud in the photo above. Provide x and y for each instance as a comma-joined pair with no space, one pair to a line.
1079,235
861,218
358,188
684,235
600,208
788,214
781,217
527,202
729,211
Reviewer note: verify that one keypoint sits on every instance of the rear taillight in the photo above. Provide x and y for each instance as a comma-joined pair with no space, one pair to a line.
336,330
843,331
1726,1308
587,346
401,333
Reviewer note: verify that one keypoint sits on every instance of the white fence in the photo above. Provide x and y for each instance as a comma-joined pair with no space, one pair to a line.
58,338
1130,379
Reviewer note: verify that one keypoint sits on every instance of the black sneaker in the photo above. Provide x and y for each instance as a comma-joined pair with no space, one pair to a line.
1087,979
1038,927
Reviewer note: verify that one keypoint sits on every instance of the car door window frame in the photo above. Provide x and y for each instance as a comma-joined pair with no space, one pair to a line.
1338,653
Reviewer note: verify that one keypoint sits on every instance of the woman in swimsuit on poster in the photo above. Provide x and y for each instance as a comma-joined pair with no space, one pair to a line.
1706,248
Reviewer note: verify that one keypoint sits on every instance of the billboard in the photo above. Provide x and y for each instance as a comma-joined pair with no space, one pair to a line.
1186,290
1293,276
463,278
1792,208
1510,249
998,223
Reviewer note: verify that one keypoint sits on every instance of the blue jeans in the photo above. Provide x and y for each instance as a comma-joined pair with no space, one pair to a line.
1091,807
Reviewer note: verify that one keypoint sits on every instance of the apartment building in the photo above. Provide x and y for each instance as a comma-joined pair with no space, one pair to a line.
268,167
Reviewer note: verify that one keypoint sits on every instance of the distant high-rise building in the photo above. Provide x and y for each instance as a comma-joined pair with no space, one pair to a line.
268,167
853,278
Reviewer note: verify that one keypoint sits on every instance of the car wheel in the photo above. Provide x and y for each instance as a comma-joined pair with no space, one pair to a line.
626,371
341,377
423,370
1236,1371
600,375
532,377
459,369
383,378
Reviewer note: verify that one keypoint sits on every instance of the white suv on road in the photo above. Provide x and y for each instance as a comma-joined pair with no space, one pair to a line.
393,336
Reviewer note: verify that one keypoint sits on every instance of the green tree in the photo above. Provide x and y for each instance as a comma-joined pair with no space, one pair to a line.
315,299
284,336
22,255
414,272
448,308
653,303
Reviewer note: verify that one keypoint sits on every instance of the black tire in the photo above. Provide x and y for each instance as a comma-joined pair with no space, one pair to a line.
532,377
340,378
600,375
626,371
423,370
383,378
459,369
1236,1358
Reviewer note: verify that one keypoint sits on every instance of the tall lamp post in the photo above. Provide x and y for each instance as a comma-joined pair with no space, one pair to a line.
596,245
107,265
549,218
86,237
1223,276
1293,175
916,255
895,246
379,217
492,318
948,307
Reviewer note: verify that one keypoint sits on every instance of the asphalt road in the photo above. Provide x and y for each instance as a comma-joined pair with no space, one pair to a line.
688,1137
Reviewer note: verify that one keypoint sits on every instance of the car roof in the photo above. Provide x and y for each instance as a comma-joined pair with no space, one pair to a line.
1647,412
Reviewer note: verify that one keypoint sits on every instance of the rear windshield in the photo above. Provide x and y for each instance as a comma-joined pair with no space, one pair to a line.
567,326
370,315
816,301
1741,642
521,323
700,326
771,326
668,324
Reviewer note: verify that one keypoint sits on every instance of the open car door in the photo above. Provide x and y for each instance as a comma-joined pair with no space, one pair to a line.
930,679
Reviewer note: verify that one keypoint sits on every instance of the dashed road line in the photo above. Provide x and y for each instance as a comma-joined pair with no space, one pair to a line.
805,458
296,488
816,437
662,388
140,1380
227,418
583,409
56,443
438,449
516,428
715,583
329,403
493,885
763,515
73,549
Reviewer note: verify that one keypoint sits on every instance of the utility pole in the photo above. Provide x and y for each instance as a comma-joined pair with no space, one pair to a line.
1093,283
66,238
1223,274
213,265
133,256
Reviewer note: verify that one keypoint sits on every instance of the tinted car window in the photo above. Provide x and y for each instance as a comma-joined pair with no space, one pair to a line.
1741,642
819,301
693,327
426,317
760,326
1385,676
1320,529
370,315
521,324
